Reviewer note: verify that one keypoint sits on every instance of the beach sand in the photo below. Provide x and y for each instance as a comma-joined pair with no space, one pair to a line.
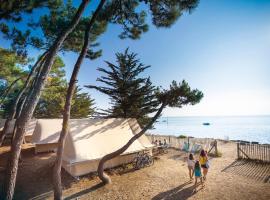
166,179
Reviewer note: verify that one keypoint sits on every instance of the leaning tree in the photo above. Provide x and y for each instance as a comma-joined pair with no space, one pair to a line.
32,101
176,96
53,26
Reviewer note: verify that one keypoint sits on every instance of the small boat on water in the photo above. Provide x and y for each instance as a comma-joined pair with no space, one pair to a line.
206,123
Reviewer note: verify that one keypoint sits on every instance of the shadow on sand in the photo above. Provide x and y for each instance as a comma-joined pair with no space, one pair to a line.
83,192
255,170
177,193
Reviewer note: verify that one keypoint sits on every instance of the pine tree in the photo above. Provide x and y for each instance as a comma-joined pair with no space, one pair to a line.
82,105
13,9
131,95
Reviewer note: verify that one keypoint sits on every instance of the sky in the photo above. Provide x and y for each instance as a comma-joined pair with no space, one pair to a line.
222,48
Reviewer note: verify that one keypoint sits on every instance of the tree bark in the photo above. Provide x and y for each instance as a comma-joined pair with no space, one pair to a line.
32,101
57,185
102,175
7,90
15,103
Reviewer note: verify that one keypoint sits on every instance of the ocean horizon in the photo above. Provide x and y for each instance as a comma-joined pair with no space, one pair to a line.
253,128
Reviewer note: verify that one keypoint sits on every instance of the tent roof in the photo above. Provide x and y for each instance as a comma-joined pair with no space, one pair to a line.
29,129
91,139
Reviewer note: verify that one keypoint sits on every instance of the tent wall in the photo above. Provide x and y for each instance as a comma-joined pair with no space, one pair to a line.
82,168
135,127
40,148
30,130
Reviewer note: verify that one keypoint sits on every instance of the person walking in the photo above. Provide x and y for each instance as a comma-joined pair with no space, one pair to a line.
203,159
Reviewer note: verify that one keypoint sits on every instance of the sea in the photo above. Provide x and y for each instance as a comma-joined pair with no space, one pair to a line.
247,128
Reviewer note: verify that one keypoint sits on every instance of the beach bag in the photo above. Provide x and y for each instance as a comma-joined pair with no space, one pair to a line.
207,164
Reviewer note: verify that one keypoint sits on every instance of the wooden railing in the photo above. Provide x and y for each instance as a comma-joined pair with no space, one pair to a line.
259,152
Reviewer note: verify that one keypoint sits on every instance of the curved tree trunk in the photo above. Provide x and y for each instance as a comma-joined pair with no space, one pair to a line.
102,175
7,90
57,185
31,103
15,103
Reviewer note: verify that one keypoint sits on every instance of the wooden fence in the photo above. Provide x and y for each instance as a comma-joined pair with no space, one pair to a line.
208,144
259,152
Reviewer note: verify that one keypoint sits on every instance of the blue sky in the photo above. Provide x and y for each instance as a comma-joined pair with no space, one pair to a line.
222,48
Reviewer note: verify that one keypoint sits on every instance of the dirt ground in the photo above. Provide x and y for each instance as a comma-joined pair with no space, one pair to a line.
166,179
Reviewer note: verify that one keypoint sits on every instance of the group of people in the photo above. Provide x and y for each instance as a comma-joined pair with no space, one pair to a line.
198,168
159,143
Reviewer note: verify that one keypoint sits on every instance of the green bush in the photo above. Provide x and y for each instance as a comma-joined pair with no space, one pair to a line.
182,136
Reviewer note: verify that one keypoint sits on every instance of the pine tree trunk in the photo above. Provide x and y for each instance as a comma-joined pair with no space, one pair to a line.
32,101
102,175
15,103
57,185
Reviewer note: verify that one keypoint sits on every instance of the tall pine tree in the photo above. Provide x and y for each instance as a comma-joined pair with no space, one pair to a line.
131,95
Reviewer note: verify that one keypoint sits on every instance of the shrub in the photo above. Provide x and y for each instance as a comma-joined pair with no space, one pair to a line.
182,136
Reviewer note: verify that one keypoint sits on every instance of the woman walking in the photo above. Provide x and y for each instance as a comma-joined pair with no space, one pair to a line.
203,159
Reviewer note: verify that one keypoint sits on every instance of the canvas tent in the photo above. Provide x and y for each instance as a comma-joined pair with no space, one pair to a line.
29,129
89,140
10,129
46,134
2,124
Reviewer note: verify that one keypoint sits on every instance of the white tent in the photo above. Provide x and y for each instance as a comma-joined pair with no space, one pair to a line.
29,129
10,129
89,140
46,134
2,124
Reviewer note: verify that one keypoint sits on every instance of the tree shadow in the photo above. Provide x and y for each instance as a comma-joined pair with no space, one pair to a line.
86,191
181,155
177,193
77,126
255,170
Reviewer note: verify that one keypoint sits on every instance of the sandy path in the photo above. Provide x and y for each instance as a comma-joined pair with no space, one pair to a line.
166,179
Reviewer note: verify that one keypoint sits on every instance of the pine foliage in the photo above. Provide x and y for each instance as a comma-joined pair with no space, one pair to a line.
131,95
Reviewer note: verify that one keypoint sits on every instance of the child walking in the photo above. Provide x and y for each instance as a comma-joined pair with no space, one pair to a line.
191,164
198,174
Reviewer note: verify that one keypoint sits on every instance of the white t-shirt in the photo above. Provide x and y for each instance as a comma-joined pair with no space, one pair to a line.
191,163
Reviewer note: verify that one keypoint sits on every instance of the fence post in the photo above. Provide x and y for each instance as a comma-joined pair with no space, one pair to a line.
238,156
188,142
216,149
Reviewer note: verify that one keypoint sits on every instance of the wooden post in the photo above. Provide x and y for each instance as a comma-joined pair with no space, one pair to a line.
188,142
238,153
216,149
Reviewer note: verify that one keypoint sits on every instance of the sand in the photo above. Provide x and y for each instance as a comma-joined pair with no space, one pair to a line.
166,179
